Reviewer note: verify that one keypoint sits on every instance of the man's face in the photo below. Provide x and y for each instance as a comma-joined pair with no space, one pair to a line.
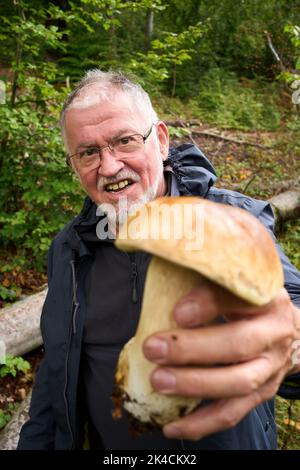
99,123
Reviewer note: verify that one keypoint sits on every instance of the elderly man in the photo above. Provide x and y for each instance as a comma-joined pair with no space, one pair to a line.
119,149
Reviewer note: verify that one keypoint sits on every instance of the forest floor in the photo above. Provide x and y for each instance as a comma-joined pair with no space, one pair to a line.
255,163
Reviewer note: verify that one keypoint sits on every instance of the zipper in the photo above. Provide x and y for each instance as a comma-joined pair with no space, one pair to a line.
65,391
75,301
75,305
133,277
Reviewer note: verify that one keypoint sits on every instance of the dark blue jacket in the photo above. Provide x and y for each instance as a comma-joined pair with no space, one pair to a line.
56,412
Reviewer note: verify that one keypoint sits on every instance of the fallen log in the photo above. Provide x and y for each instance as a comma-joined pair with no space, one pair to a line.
286,205
20,324
9,437
20,332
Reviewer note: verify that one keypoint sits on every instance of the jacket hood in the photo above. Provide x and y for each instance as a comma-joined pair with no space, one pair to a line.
192,170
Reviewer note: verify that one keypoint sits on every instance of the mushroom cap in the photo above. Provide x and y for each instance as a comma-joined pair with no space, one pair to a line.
227,245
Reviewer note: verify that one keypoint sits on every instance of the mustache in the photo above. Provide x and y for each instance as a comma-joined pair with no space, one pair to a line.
124,174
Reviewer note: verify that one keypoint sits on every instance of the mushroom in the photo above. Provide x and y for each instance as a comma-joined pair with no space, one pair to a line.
220,243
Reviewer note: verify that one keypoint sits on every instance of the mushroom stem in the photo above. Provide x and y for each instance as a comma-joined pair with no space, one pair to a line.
166,283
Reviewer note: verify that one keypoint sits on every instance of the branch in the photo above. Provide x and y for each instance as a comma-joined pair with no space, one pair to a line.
209,133
275,188
230,139
182,124
274,52
285,185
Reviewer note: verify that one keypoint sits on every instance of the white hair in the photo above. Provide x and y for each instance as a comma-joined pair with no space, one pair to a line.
87,93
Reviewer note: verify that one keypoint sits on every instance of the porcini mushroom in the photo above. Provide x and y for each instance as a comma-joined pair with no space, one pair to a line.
223,244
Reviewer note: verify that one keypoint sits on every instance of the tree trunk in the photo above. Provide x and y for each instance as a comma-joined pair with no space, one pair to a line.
18,58
149,29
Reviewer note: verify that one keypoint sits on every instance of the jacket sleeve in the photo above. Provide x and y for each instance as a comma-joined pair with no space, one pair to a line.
39,431
290,388
291,274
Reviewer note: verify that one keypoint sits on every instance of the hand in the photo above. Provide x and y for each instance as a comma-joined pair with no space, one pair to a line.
239,363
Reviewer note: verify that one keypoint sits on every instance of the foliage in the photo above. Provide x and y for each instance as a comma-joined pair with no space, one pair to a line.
166,56
31,148
290,241
288,412
291,76
178,132
7,294
5,416
236,103
31,213
13,365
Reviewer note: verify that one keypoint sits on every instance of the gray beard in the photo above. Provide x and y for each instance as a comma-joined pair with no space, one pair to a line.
116,215
119,215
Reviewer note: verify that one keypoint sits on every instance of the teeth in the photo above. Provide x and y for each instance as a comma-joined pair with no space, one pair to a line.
116,186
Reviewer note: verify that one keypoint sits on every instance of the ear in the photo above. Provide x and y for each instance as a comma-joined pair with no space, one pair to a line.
163,138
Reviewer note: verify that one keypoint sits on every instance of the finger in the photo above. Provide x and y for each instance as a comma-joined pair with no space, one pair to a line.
218,382
218,416
206,302
210,345
218,344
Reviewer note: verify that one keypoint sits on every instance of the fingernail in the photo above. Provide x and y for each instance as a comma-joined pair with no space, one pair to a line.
172,431
163,380
187,313
156,348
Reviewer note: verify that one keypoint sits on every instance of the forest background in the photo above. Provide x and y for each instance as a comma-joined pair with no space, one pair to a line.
223,74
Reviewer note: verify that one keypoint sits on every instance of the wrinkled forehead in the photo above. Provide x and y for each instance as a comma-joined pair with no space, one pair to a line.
97,112
97,93
113,110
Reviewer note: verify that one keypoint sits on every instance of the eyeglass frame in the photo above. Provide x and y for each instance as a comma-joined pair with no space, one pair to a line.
144,137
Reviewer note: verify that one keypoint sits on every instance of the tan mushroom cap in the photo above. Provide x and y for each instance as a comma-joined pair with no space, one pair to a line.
225,244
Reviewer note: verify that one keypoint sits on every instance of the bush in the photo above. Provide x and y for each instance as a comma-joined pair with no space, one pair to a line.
232,103
13,365
38,194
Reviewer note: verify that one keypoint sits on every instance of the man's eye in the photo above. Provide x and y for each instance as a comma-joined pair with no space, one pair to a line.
89,152
129,139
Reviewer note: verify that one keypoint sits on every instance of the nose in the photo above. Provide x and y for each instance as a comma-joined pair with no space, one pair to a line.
110,165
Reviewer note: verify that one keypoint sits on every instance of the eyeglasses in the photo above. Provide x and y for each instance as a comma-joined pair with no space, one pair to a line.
122,147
